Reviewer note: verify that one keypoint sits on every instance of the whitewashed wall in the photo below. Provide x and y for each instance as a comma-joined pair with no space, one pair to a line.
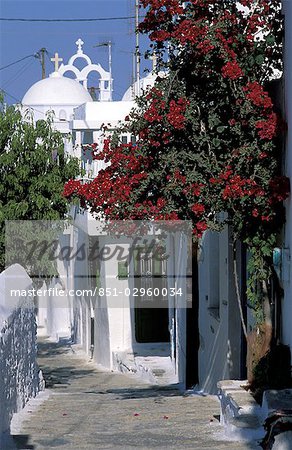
58,312
287,267
176,271
219,319
18,365
114,327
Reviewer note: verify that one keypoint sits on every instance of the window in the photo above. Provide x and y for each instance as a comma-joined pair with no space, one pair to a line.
214,274
62,115
87,137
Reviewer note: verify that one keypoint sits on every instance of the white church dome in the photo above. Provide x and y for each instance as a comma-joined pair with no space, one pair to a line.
138,87
56,90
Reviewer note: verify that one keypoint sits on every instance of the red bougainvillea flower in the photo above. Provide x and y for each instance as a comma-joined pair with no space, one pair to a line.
188,31
205,131
198,208
159,36
71,187
263,155
232,70
268,127
179,177
257,95
199,228
196,189
266,218
205,46
176,116
161,202
154,112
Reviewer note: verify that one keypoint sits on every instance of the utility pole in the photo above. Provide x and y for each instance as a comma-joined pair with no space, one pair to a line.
133,73
43,51
41,56
138,61
110,66
109,45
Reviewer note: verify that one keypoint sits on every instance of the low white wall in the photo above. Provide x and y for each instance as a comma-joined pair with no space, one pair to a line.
18,350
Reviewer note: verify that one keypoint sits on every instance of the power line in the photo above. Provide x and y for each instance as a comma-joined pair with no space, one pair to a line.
97,19
19,60
9,95
60,33
17,74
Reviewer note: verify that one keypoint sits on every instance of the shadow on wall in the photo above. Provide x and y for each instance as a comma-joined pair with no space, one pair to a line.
217,361
75,324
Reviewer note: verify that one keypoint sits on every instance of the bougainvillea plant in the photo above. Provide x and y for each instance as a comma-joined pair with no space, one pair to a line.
209,135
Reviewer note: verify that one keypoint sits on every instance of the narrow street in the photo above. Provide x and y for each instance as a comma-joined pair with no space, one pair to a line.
88,408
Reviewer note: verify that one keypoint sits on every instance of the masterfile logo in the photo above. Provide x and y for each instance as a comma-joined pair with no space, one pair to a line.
150,262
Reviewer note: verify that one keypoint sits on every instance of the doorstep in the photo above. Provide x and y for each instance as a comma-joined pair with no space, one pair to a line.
240,414
156,370
243,418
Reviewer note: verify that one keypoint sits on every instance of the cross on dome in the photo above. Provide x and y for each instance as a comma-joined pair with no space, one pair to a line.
79,44
56,60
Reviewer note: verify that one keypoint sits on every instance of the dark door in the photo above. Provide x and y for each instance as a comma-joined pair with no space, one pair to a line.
151,320
192,375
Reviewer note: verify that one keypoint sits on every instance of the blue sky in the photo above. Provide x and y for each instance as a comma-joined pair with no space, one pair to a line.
19,39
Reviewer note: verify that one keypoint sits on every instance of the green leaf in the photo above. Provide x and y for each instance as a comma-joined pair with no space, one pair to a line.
216,142
221,129
270,39
260,60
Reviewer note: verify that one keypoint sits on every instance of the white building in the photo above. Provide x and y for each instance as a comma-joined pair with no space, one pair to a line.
202,344
58,96
128,336
112,332
122,337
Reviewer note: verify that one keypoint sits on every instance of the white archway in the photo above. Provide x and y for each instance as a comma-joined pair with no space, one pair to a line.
105,81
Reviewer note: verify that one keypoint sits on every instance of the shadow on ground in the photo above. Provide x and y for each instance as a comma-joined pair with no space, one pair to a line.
145,392
58,375
85,414
48,349
62,376
20,441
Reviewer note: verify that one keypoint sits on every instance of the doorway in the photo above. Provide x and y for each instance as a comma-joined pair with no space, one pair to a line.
151,305
192,337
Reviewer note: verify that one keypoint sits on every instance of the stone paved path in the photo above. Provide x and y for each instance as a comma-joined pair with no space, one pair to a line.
89,409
